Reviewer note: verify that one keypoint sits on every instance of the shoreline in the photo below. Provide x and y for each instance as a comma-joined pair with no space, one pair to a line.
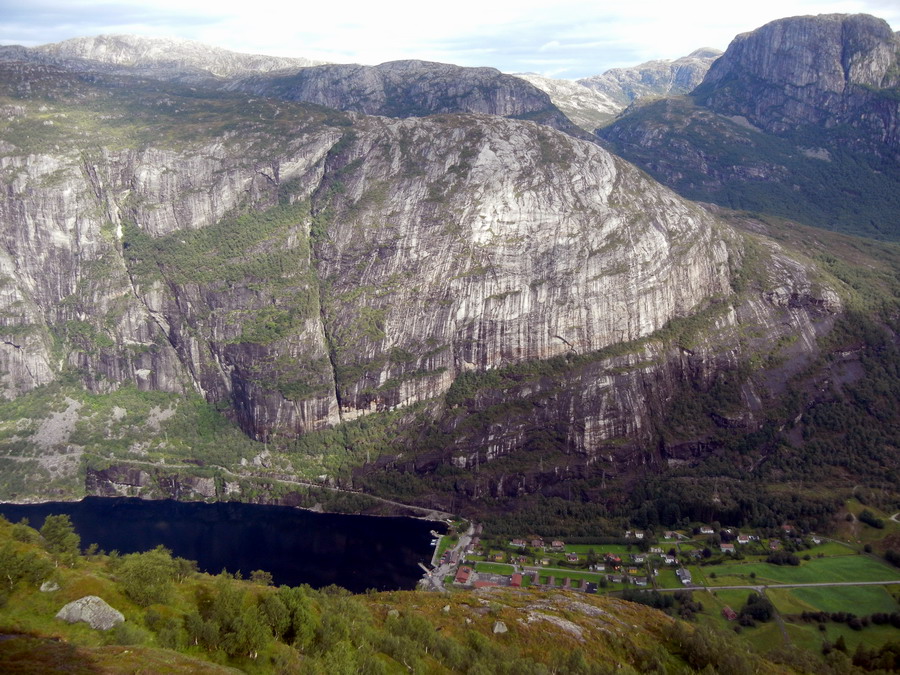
427,516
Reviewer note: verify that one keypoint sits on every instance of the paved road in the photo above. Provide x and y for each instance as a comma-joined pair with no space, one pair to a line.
761,587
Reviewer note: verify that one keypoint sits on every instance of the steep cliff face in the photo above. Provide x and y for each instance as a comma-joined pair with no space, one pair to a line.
411,89
817,71
453,246
798,119
301,267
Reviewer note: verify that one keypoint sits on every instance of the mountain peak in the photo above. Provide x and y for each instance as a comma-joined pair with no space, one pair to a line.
167,53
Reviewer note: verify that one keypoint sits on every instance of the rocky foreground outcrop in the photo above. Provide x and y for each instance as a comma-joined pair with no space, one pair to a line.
93,611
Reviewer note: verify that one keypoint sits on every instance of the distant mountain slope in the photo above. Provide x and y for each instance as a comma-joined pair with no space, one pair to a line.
800,118
653,78
586,107
394,89
411,89
166,56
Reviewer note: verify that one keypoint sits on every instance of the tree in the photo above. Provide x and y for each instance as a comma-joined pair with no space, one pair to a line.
261,577
147,577
60,538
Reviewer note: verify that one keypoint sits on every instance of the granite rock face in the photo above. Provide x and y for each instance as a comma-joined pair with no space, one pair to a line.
93,611
821,71
303,267
799,118
411,89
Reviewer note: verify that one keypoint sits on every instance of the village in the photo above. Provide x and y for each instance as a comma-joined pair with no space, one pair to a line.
669,561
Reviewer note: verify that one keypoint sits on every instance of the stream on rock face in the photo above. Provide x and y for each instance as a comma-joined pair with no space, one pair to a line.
295,546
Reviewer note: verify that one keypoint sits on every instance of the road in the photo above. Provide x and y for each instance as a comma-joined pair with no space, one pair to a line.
761,587
426,513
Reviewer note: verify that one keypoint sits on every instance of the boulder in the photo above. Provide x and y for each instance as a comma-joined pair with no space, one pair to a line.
93,611
49,587
500,627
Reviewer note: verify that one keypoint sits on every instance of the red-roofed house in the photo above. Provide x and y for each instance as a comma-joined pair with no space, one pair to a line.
463,574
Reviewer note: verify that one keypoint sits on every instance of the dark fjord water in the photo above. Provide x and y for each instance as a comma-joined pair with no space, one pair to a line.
356,552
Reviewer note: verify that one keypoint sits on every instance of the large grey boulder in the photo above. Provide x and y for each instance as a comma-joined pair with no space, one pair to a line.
93,611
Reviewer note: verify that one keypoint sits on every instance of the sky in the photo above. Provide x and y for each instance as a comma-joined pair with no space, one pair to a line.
567,39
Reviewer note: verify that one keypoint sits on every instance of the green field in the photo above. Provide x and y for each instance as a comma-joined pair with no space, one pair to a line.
445,542
494,568
830,548
666,578
861,600
843,568
600,549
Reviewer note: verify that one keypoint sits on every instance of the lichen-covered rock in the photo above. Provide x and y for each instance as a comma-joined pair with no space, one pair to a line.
93,611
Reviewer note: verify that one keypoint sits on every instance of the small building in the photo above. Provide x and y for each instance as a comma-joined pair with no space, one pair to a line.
463,574
599,567
684,574
728,613
816,540
590,587
728,548
616,578
558,545
545,561
638,558
640,581
670,560
632,570
571,557
775,545
706,529
638,535
656,549
515,580
668,534
537,542
743,539
521,543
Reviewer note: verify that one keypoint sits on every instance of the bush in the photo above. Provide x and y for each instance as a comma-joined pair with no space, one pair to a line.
147,577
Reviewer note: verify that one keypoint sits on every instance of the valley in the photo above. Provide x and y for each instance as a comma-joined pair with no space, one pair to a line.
658,301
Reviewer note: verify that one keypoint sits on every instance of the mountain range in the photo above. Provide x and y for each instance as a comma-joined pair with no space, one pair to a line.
428,283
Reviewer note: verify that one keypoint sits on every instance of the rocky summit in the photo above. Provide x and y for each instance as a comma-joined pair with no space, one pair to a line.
797,119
